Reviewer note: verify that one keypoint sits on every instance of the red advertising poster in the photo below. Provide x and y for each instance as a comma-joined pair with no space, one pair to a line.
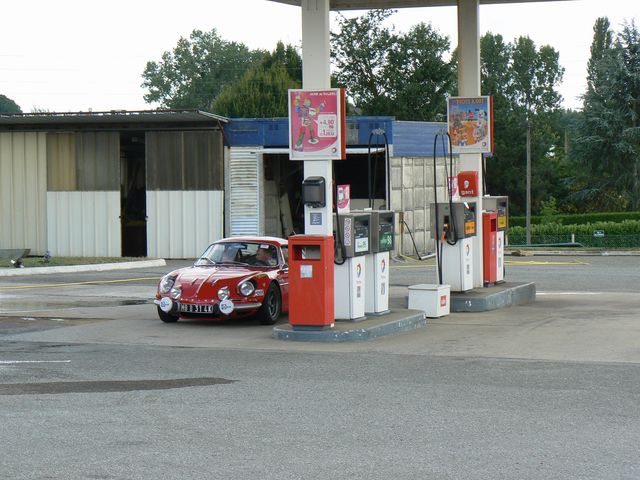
344,198
470,123
317,124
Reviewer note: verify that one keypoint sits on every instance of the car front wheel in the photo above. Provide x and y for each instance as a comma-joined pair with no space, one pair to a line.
271,306
165,317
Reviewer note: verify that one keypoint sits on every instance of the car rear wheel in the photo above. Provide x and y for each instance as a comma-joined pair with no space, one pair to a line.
166,317
271,307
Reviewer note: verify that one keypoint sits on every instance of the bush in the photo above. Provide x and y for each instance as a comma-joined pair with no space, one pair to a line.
576,219
626,227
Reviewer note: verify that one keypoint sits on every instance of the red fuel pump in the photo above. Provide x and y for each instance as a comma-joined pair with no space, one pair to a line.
489,247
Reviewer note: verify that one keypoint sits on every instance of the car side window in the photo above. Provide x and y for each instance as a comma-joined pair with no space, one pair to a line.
285,253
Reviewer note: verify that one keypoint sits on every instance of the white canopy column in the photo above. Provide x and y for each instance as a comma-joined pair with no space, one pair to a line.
316,75
469,86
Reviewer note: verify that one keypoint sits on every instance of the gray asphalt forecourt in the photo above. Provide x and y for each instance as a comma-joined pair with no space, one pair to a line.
94,385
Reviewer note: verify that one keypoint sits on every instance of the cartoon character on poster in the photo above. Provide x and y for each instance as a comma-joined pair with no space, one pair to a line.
480,128
308,116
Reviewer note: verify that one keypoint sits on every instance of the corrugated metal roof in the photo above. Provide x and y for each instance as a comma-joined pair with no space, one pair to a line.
114,119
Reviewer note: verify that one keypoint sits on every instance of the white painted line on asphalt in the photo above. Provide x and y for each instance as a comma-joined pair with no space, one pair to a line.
569,293
16,362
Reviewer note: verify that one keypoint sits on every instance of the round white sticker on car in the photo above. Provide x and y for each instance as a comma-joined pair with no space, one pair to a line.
166,304
226,306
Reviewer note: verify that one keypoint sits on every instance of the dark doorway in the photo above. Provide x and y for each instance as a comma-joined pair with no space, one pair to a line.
133,194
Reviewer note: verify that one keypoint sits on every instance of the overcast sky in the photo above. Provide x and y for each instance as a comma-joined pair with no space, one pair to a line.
76,55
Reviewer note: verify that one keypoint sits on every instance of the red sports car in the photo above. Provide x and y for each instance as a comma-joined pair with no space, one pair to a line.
234,277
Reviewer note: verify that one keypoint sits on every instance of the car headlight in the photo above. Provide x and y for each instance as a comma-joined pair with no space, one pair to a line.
175,293
166,284
223,293
246,288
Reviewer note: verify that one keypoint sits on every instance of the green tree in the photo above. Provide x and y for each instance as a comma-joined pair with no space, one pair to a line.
260,93
262,90
522,80
386,73
197,70
8,106
607,146
287,56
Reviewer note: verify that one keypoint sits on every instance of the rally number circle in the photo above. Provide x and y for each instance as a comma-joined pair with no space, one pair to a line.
166,304
226,306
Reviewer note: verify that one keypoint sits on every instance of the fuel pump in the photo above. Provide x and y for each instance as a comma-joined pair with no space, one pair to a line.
352,231
499,205
453,226
456,223
382,229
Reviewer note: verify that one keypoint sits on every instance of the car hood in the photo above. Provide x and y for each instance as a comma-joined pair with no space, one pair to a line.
205,281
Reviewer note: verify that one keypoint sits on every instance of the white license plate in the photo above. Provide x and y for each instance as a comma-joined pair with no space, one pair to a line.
191,308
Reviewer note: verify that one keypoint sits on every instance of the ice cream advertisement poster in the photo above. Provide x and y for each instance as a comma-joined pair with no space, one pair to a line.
317,124
470,123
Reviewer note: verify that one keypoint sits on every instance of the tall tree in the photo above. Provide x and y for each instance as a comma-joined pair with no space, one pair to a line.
8,106
262,90
386,73
522,79
601,44
608,143
197,70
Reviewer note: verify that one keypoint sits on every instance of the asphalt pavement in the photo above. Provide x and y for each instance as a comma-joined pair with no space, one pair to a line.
93,385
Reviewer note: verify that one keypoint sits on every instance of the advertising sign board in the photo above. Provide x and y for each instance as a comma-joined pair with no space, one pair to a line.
317,124
470,124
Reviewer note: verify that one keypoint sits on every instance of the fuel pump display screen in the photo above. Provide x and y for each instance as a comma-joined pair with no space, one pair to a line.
385,237
469,222
361,235
502,218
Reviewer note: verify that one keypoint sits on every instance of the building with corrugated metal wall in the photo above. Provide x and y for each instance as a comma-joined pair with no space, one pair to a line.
112,183
167,183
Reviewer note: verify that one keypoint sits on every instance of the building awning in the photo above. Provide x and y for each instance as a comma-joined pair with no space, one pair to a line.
112,120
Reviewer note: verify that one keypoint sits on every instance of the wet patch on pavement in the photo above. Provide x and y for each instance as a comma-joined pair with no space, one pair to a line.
25,324
55,388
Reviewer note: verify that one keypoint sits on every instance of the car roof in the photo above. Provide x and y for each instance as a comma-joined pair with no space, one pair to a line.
279,241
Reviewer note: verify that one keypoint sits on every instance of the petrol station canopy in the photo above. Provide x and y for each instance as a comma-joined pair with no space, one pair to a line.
367,4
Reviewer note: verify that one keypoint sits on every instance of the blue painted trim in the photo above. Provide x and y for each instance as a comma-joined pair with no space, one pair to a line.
409,139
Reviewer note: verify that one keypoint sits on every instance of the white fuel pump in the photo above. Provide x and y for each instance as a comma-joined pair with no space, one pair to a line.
353,233
453,226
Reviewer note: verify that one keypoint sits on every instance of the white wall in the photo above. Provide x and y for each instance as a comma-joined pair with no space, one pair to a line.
83,224
181,224
23,185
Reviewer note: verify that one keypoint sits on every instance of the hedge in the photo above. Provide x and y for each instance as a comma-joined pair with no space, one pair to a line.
576,219
625,227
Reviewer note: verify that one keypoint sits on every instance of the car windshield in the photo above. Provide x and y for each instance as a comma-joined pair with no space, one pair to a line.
240,253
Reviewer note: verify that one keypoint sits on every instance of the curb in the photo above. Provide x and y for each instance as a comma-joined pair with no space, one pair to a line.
559,253
396,321
97,267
